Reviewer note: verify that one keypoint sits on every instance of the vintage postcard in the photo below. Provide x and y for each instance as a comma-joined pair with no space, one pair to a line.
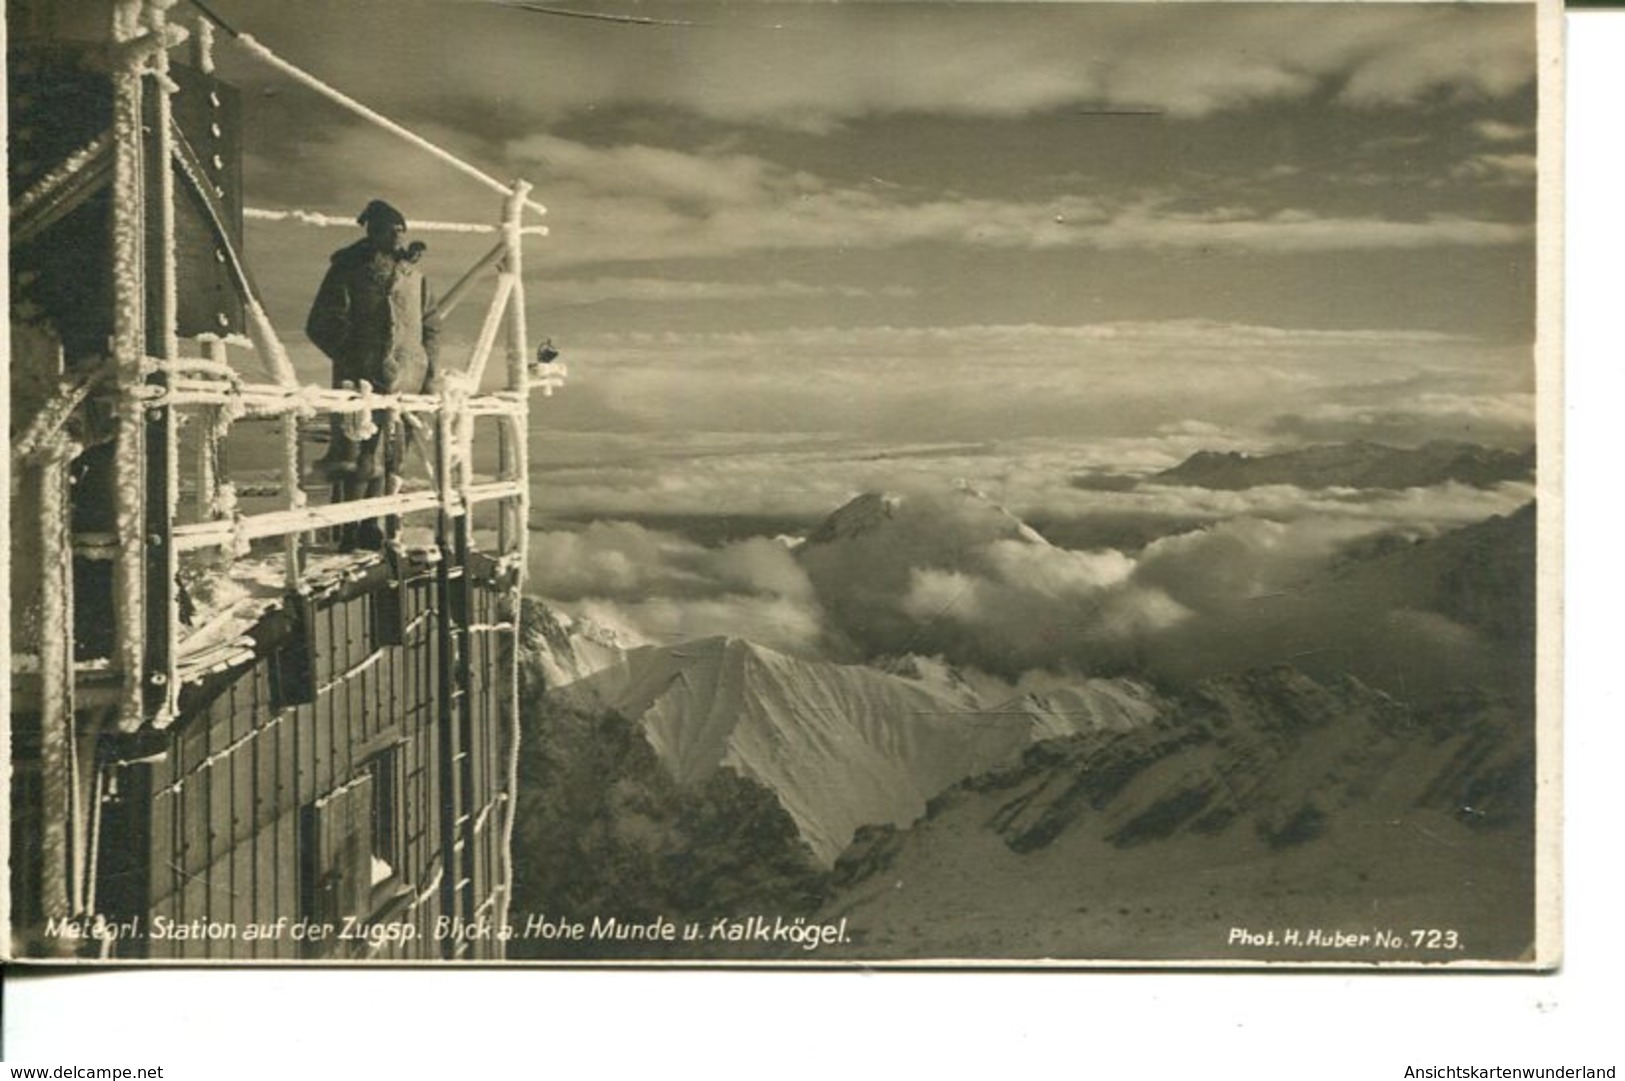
789,483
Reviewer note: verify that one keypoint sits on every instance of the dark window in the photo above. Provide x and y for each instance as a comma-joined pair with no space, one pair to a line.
337,854
388,853
353,856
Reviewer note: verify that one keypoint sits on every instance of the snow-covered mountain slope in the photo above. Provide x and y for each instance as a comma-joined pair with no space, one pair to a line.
841,746
1262,800
1094,705
563,648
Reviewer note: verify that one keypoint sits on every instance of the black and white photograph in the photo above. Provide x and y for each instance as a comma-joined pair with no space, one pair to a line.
784,483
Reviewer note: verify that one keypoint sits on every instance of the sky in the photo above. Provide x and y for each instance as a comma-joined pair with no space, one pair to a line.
801,249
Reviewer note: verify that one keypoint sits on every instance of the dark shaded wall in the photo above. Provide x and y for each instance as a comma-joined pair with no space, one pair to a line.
350,779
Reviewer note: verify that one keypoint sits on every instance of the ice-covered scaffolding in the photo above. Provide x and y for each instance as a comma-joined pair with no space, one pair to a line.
162,392
176,401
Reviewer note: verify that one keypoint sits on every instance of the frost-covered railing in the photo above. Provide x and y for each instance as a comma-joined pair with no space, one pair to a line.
449,453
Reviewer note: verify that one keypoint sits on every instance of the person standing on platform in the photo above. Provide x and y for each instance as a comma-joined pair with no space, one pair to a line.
374,319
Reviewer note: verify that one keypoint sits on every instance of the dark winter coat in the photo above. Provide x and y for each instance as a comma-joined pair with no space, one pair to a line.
371,317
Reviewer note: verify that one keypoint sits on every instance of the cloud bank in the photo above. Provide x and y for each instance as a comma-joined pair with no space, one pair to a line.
651,586
952,575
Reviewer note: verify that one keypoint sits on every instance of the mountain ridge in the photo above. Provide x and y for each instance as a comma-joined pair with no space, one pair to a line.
841,746
1358,464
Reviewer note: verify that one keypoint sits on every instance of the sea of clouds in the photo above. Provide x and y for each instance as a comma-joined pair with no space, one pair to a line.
949,573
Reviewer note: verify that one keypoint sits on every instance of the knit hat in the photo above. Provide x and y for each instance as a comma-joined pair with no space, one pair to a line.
380,211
